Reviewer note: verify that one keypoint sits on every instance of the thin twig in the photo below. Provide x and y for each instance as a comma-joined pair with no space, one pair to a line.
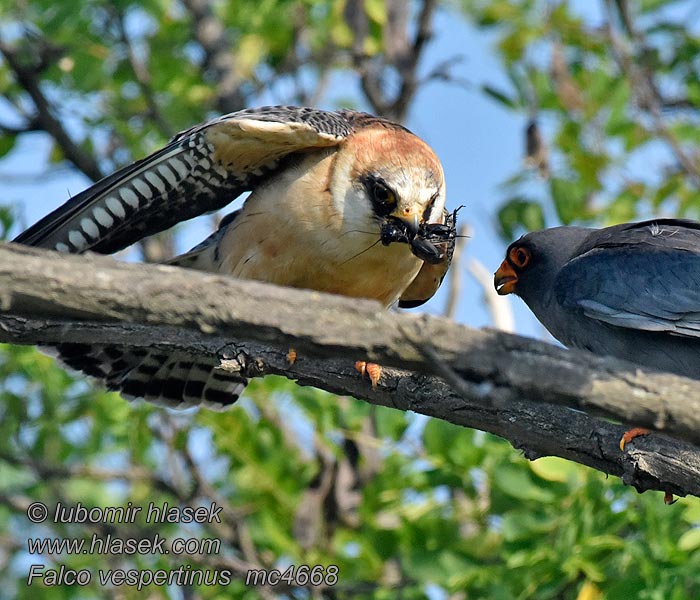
28,76
649,98
455,273
499,307
143,78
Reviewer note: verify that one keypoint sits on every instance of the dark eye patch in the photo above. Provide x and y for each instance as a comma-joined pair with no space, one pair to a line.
383,198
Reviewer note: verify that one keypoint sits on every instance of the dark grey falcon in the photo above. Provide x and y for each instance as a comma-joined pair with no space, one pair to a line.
630,291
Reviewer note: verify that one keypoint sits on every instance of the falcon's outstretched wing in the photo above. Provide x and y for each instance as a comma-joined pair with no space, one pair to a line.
201,170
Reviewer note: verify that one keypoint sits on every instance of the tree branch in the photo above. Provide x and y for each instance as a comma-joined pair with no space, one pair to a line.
219,59
400,53
518,388
409,63
142,75
28,77
629,58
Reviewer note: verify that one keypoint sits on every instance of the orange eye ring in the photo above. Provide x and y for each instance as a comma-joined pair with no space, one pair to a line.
519,256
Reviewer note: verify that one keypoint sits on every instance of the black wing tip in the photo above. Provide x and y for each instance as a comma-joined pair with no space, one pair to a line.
412,303
34,235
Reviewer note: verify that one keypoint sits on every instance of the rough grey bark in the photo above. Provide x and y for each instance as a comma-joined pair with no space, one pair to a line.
520,389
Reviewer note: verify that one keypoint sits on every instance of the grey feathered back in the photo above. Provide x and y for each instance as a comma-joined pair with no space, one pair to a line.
631,290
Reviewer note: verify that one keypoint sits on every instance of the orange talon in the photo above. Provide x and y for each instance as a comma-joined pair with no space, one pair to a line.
375,372
669,499
372,370
291,356
631,434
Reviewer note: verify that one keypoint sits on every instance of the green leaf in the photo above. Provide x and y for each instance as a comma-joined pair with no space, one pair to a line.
499,96
690,540
569,199
518,484
391,424
553,468
519,213
7,143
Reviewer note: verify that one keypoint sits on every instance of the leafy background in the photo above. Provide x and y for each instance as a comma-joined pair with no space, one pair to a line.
600,98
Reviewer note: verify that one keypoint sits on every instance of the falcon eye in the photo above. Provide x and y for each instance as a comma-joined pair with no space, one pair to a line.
383,195
383,198
519,256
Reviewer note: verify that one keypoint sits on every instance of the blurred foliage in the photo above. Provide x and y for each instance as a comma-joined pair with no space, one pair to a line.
404,506
613,88
128,75
439,507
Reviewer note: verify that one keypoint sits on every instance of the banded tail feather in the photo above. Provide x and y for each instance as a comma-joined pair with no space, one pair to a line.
172,379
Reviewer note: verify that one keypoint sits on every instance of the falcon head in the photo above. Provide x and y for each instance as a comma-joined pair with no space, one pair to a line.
388,183
533,262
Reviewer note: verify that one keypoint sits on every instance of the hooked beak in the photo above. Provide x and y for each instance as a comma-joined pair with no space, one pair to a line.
505,279
409,219
400,227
